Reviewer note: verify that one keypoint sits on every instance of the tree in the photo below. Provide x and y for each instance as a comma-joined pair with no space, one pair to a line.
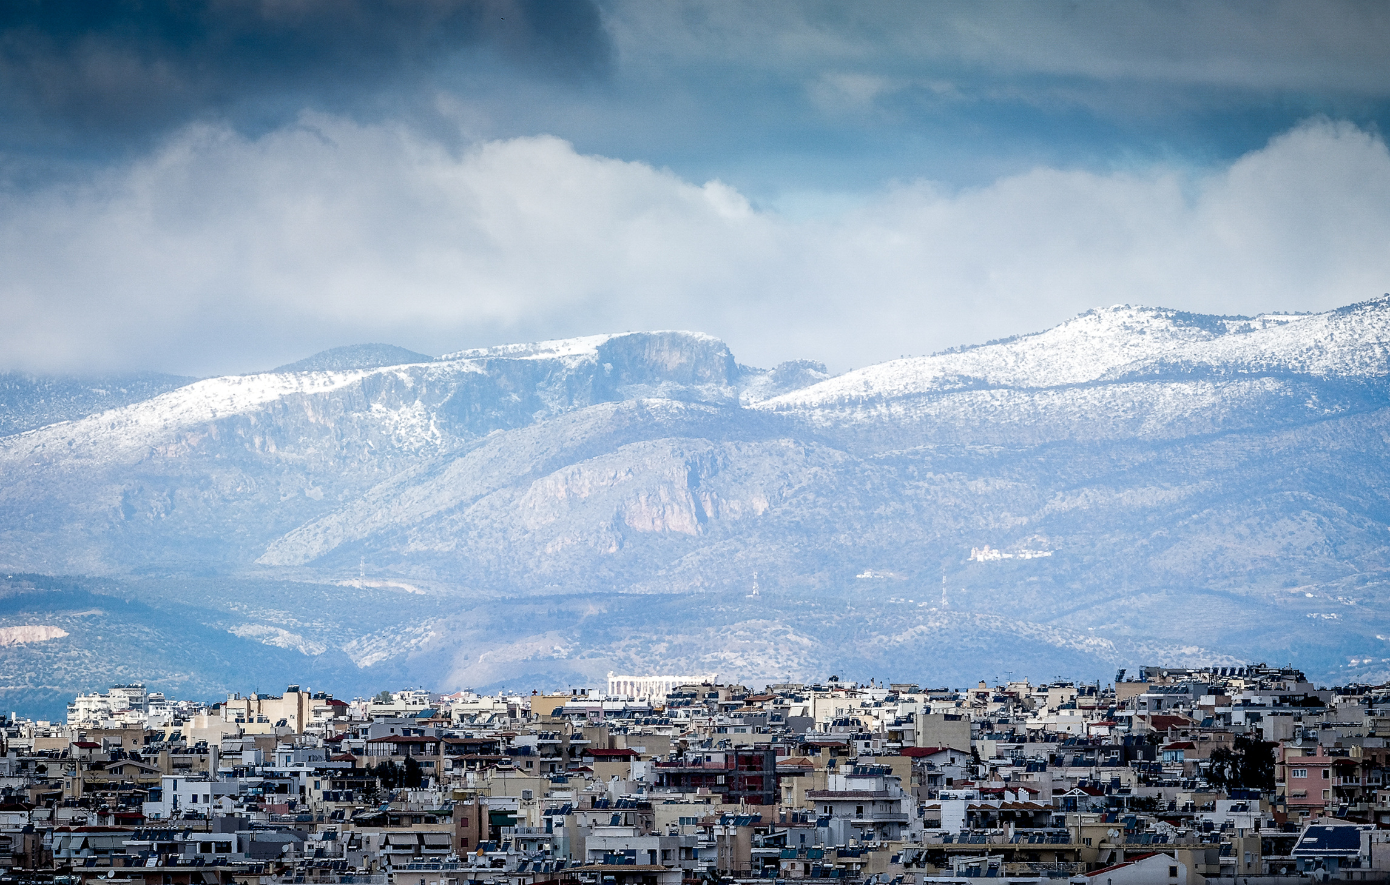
412,775
1248,763
382,697
1222,768
1257,762
1147,804
388,774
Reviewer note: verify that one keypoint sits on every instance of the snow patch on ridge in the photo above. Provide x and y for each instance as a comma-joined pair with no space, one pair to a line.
586,345
278,637
143,424
377,647
135,430
1126,341
27,633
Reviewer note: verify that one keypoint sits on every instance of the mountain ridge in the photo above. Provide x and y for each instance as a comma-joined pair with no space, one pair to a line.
1026,366
355,356
624,489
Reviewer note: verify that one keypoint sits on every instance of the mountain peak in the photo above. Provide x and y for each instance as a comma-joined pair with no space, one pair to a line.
356,356
582,345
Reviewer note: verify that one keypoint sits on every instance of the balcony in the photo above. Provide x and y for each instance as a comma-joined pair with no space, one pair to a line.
694,766
881,817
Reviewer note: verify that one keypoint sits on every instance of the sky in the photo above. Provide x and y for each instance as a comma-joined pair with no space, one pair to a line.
217,186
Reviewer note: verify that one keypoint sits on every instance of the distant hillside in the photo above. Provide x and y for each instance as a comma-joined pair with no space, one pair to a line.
29,401
1157,486
355,356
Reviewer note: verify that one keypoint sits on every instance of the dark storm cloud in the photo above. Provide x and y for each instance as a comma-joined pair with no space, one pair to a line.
130,68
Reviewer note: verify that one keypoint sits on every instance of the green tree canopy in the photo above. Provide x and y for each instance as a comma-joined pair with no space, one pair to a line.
1247,764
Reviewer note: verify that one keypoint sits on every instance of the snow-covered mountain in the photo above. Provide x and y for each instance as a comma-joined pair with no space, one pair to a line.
1130,343
1204,486
1117,373
30,401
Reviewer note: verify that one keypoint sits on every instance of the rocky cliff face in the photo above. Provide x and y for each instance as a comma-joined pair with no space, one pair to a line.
1204,486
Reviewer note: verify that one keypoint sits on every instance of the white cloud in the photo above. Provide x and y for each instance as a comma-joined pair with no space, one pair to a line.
221,252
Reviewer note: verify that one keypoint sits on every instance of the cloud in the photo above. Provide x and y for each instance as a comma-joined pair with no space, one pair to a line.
772,97
851,94
222,252
1279,45
126,68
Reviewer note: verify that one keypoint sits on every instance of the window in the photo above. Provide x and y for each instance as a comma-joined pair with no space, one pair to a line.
1326,774
1172,872
1298,772
1327,794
